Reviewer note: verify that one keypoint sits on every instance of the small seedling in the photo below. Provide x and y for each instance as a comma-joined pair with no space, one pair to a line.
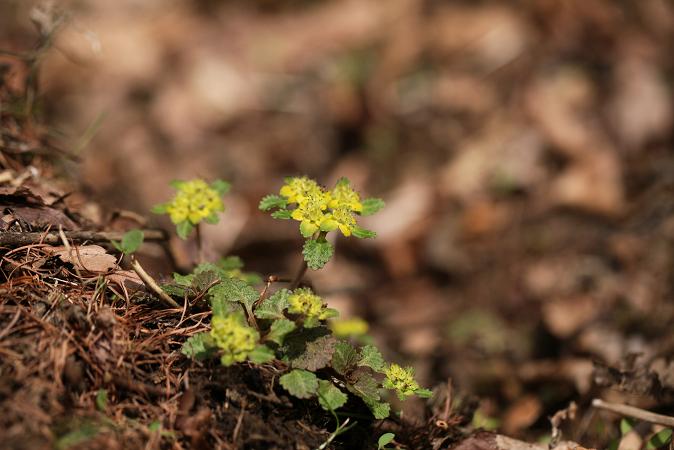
131,241
290,325
384,440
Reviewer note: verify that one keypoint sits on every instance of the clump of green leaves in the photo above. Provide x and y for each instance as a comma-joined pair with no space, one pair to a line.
319,212
195,201
290,325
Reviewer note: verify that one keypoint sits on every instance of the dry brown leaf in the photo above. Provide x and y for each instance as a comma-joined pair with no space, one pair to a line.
89,258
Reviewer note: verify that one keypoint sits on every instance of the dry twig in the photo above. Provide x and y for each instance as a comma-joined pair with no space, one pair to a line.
635,412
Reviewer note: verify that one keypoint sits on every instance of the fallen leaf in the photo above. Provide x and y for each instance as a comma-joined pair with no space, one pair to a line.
90,258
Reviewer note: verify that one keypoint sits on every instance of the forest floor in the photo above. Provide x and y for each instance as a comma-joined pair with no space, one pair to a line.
524,261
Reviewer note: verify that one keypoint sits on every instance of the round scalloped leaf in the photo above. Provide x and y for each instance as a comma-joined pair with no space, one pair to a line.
300,383
329,396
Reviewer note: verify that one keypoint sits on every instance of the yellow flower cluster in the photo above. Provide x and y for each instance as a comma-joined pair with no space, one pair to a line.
235,339
401,380
194,202
304,301
349,327
318,209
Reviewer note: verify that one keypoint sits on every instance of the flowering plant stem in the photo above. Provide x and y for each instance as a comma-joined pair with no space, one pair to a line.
303,268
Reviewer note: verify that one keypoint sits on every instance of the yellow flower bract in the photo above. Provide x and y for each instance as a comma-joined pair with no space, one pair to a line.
349,327
304,301
234,339
401,380
194,202
318,209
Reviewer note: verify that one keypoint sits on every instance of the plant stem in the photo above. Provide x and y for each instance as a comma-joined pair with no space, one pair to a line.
298,277
152,284
200,244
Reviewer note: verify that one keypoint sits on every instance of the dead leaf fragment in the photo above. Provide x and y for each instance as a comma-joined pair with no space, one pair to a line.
89,258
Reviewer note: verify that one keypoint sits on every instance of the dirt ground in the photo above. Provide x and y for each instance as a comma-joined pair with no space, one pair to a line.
525,257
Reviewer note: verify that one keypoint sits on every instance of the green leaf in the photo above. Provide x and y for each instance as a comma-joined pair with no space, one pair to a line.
221,187
279,329
423,393
380,410
132,240
329,396
205,280
198,346
212,218
300,383
365,387
272,201
329,313
101,400
235,290
371,357
261,354
272,307
183,280
626,425
176,184
344,358
362,233
282,214
184,229
659,439
371,206
230,263
174,290
160,208
309,348
384,440
221,307
317,252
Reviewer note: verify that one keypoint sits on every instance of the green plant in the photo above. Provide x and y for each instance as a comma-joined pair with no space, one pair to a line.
290,325
131,241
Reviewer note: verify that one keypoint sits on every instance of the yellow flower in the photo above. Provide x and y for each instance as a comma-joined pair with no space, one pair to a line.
304,301
345,220
310,212
234,339
194,202
343,197
349,327
299,189
401,380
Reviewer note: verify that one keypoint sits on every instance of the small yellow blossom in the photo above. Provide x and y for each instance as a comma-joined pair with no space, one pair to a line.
299,189
194,202
401,380
304,301
349,327
234,339
345,220
343,197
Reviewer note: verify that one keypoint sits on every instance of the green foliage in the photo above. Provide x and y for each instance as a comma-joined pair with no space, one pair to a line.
371,357
200,346
317,252
101,400
300,383
273,307
345,358
310,348
233,290
329,396
659,439
261,354
371,206
272,202
362,233
279,329
384,440
131,241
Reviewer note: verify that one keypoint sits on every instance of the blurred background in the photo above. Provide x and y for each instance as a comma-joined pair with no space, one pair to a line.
524,149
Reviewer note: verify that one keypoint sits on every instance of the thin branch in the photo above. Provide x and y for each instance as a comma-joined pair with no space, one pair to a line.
18,239
632,411
152,284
